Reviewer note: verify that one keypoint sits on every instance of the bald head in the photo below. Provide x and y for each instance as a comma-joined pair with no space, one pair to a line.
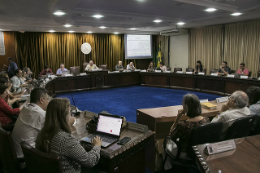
91,62
240,99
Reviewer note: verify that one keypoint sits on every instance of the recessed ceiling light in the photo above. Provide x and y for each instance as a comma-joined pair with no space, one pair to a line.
210,9
71,31
157,21
180,23
59,13
89,32
132,28
51,31
236,14
116,32
67,25
98,16
102,27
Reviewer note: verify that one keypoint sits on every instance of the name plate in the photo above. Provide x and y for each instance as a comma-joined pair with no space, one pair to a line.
68,75
244,77
189,72
180,72
137,70
221,99
167,71
204,100
200,73
143,70
116,71
231,75
158,71
82,74
214,74
259,78
220,147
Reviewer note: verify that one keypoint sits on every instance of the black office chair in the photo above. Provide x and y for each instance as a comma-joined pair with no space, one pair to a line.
250,73
177,69
189,69
232,72
240,128
40,162
206,133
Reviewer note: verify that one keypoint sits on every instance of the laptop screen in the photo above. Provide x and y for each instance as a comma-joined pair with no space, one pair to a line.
109,125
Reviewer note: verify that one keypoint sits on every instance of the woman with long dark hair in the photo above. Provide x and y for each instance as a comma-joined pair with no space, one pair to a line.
55,137
199,67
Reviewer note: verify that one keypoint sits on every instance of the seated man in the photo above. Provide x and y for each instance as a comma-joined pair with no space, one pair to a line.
45,71
91,66
163,67
242,70
61,69
151,67
30,120
130,66
224,69
17,81
235,108
119,67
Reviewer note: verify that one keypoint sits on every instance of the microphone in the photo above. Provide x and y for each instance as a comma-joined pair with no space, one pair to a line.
76,112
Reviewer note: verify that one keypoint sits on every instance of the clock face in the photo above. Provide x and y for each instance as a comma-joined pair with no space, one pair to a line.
86,48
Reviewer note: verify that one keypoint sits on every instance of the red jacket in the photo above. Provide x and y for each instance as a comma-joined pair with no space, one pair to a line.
6,111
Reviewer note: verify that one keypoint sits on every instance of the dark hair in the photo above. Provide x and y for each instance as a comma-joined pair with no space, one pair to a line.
46,66
3,80
17,71
3,87
225,62
3,74
191,105
10,59
25,69
55,120
201,67
161,63
253,94
36,94
243,64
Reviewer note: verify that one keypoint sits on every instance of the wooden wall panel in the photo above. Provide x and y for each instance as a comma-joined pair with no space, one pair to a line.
9,48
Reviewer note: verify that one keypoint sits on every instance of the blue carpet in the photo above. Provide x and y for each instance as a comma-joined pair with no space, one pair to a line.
125,101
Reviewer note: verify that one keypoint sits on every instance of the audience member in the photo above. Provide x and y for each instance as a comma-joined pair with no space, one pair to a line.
45,71
23,77
11,98
224,69
119,66
130,66
30,120
4,75
17,81
151,67
91,66
11,68
29,73
61,69
163,67
242,70
55,137
7,115
199,67
235,108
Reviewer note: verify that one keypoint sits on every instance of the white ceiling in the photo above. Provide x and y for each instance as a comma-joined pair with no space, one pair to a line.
120,15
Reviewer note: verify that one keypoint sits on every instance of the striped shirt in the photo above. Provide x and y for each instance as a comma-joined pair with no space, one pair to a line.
255,108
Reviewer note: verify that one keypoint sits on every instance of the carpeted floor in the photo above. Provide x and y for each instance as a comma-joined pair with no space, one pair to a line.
125,101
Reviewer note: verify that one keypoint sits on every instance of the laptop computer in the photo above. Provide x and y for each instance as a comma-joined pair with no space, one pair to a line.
108,129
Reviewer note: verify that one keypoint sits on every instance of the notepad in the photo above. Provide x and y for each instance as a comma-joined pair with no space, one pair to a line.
208,105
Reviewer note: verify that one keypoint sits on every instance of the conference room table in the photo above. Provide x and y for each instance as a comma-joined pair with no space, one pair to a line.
126,158
245,158
105,79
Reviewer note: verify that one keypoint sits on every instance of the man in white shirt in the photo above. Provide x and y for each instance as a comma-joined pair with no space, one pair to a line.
61,69
235,108
17,81
130,66
91,66
30,120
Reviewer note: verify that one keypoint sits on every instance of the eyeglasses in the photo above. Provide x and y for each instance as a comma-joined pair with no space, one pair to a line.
230,97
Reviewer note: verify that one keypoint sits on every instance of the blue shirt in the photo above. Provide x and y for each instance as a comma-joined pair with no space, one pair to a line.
11,69
59,71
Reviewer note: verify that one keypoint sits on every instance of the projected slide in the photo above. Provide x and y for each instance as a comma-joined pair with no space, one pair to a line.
138,46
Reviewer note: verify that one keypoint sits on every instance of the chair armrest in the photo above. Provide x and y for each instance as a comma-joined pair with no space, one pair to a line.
172,148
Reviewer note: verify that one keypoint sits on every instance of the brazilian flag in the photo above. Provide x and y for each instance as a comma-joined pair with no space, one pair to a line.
159,55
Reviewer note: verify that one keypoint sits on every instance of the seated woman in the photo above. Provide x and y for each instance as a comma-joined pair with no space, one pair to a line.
45,71
151,67
183,129
199,67
163,67
55,137
8,115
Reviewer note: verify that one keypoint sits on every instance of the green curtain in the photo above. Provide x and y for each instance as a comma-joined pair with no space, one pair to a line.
35,50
